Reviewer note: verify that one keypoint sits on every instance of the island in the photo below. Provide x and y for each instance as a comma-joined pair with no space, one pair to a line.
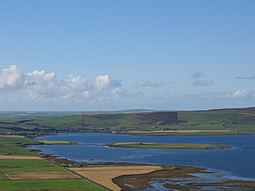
48,142
147,145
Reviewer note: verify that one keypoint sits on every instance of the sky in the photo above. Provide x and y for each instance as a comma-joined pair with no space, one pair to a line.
91,55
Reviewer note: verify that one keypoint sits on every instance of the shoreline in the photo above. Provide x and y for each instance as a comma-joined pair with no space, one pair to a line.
134,182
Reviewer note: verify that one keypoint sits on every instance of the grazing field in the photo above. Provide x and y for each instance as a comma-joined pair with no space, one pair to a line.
63,185
165,146
40,175
15,146
104,175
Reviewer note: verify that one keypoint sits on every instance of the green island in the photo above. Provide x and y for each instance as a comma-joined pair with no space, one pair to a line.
146,145
48,142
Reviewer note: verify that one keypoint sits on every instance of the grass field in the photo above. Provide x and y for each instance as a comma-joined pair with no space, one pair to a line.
164,146
64,185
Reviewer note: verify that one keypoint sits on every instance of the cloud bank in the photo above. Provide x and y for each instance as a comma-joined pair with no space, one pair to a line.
40,84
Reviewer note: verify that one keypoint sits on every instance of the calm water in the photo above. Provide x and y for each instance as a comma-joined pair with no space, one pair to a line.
239,161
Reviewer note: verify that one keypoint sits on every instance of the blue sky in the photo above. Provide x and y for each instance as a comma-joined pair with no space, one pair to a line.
111,55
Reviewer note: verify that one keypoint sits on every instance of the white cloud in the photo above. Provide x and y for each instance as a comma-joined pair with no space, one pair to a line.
240,93
103,82
10,77
47,85
40,84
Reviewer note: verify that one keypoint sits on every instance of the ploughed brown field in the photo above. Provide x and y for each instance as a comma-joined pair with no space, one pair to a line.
40,175
19,157
104,175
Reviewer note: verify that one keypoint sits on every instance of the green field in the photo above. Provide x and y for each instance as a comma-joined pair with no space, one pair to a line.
15,146
81,185
164,146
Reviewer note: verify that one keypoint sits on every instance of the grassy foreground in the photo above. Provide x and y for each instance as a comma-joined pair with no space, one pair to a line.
13,168
48,185
146,145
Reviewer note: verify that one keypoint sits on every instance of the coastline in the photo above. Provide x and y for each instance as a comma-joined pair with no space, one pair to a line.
121,181
142,181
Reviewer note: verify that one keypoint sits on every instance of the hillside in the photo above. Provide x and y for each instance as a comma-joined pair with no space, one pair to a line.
221,121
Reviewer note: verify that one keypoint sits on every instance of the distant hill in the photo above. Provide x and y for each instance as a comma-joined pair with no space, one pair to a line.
138,121
245,110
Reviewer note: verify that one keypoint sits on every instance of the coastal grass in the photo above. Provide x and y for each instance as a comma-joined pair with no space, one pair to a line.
146,145
11,141
23,163
15,145
15,151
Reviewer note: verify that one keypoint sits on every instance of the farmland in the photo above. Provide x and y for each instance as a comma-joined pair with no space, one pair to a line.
21,169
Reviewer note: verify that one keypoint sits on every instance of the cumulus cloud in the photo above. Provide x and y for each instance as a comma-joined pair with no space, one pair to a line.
10,78
240,93
104,82
148,83
47,85
198,79
245,77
